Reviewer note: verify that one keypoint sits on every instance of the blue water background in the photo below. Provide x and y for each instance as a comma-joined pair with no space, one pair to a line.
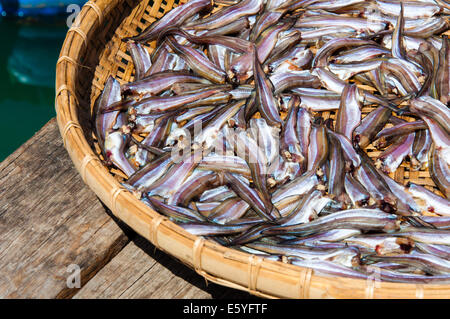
30,49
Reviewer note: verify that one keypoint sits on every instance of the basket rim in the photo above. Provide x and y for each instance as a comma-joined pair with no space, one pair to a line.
242,271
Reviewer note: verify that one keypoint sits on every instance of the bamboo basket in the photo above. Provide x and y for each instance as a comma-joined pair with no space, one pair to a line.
91,52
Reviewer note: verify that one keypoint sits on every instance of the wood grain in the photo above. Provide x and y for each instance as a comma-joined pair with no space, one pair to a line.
49,220
140,271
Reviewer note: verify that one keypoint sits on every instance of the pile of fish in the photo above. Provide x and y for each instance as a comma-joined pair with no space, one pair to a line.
250,121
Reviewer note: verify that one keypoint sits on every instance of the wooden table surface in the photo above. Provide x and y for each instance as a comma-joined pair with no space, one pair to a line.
56,234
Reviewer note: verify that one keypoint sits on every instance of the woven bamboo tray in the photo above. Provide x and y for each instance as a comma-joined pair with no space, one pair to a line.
92,51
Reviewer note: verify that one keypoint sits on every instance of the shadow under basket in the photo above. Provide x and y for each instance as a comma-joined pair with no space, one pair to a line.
93,51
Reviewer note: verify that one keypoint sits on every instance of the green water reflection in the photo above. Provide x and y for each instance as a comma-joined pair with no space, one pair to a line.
28,56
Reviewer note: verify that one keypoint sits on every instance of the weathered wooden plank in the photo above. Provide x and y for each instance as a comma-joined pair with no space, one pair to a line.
49,220
140,271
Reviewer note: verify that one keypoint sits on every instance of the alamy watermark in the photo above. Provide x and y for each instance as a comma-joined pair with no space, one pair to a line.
374,278
73,20
74,278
